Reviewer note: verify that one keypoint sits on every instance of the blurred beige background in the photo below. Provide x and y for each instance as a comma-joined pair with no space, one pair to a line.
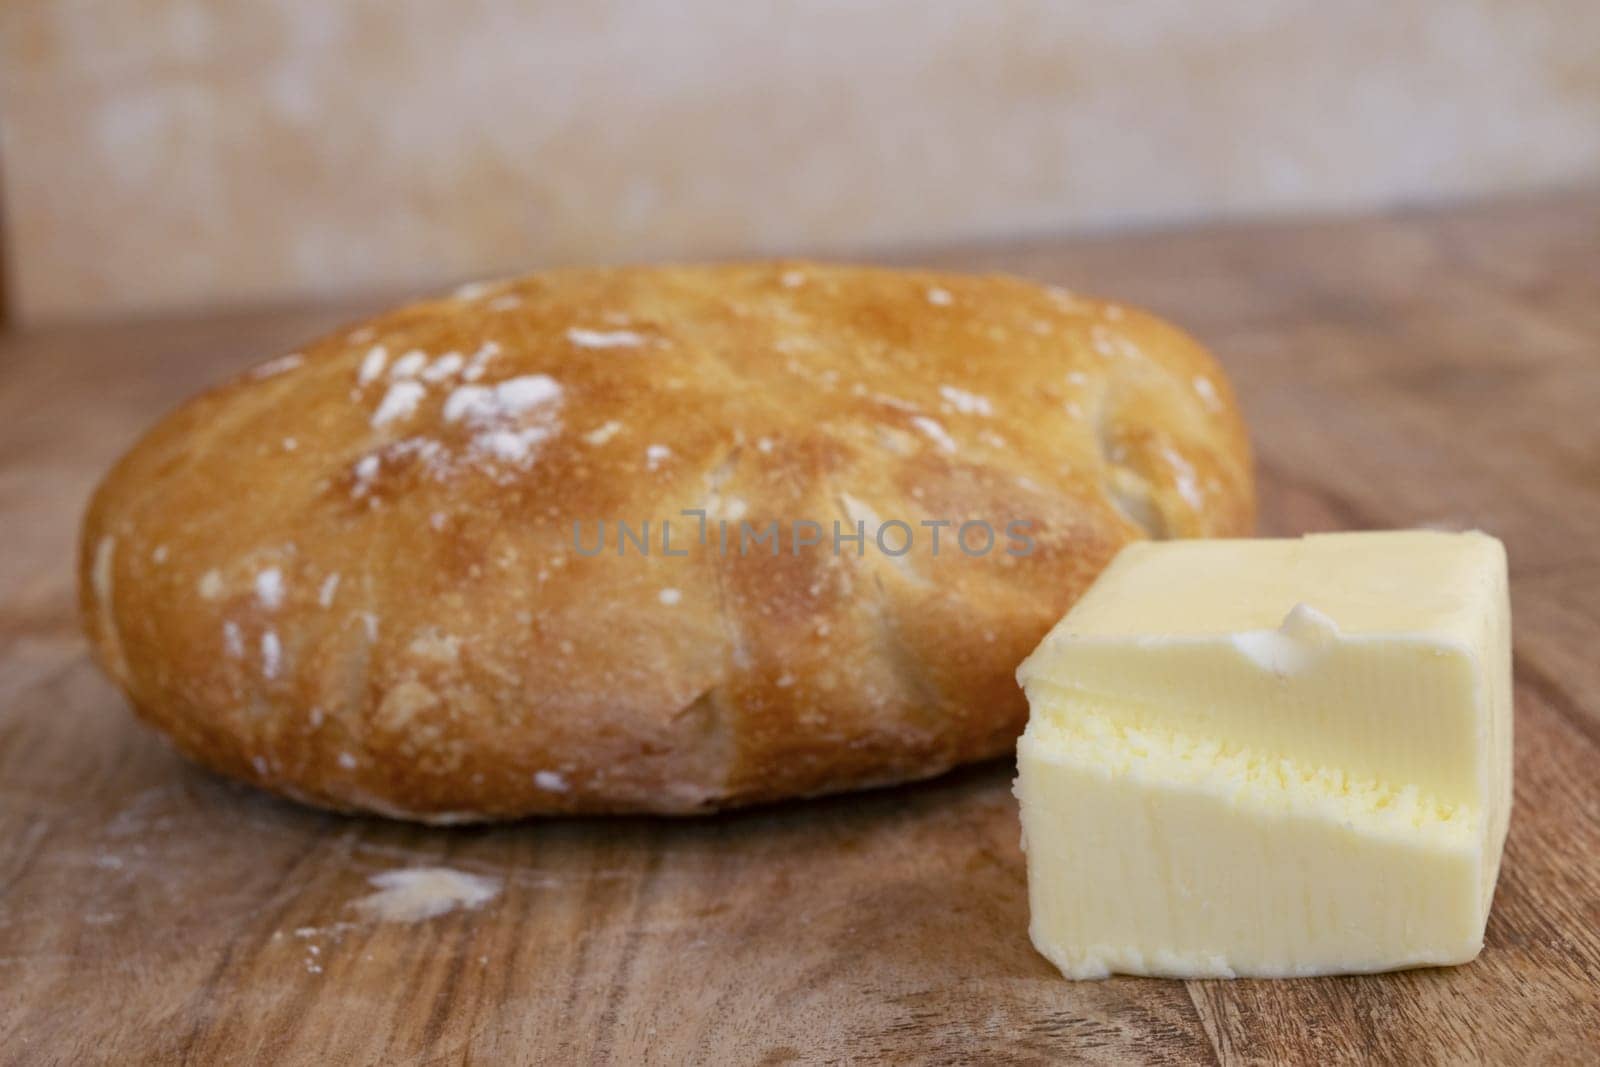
177,153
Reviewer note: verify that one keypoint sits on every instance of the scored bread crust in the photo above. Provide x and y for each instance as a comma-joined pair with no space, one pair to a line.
350,574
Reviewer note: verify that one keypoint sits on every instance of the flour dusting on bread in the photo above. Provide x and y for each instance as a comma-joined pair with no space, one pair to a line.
351,576
509,420
372,364
604,338
965,402
269,588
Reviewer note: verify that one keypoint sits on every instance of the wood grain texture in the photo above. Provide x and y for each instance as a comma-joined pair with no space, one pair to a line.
1440,368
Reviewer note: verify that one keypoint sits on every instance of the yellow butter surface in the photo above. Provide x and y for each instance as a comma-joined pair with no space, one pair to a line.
1271,757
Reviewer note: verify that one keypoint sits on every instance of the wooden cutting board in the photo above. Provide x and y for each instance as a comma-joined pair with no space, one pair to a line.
1439,369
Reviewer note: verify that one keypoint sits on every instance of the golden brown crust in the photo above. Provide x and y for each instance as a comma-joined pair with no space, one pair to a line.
358,585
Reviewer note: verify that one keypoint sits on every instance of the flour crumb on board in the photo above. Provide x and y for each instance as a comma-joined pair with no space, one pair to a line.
305,933
309,935
418,893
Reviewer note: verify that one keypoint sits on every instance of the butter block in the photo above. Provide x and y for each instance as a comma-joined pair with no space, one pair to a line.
1271,758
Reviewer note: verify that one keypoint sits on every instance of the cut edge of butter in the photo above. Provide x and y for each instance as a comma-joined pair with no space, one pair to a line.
1321,788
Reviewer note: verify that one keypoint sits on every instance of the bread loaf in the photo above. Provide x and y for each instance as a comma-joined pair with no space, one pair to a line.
385,573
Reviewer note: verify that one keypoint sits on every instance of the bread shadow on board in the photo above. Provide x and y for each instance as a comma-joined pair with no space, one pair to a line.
826,818
893,877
